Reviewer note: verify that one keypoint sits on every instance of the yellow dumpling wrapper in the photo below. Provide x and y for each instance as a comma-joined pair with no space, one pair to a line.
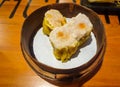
52,19
67,38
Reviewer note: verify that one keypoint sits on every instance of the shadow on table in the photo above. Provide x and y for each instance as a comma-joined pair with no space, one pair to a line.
84,79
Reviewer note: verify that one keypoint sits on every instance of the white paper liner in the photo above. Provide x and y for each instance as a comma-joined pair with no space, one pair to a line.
43,51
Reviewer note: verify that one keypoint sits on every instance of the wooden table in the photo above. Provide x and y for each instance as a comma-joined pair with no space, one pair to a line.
14,70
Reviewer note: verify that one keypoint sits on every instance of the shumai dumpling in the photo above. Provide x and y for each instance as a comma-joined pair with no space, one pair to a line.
52,19
67,39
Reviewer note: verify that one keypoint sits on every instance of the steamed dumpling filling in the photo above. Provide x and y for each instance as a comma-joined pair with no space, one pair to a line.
53,18
67,38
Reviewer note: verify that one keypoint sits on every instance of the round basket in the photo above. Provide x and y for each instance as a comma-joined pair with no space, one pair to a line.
60,76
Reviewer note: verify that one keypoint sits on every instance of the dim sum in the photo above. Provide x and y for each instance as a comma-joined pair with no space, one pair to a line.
52,19
67,38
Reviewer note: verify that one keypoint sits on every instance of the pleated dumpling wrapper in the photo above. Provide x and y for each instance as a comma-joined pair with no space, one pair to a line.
67,39
52,19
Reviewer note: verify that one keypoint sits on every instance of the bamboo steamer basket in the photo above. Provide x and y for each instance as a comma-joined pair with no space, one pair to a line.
57,76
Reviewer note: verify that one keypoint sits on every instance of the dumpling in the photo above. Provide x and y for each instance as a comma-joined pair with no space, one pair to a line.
52,19
67,39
